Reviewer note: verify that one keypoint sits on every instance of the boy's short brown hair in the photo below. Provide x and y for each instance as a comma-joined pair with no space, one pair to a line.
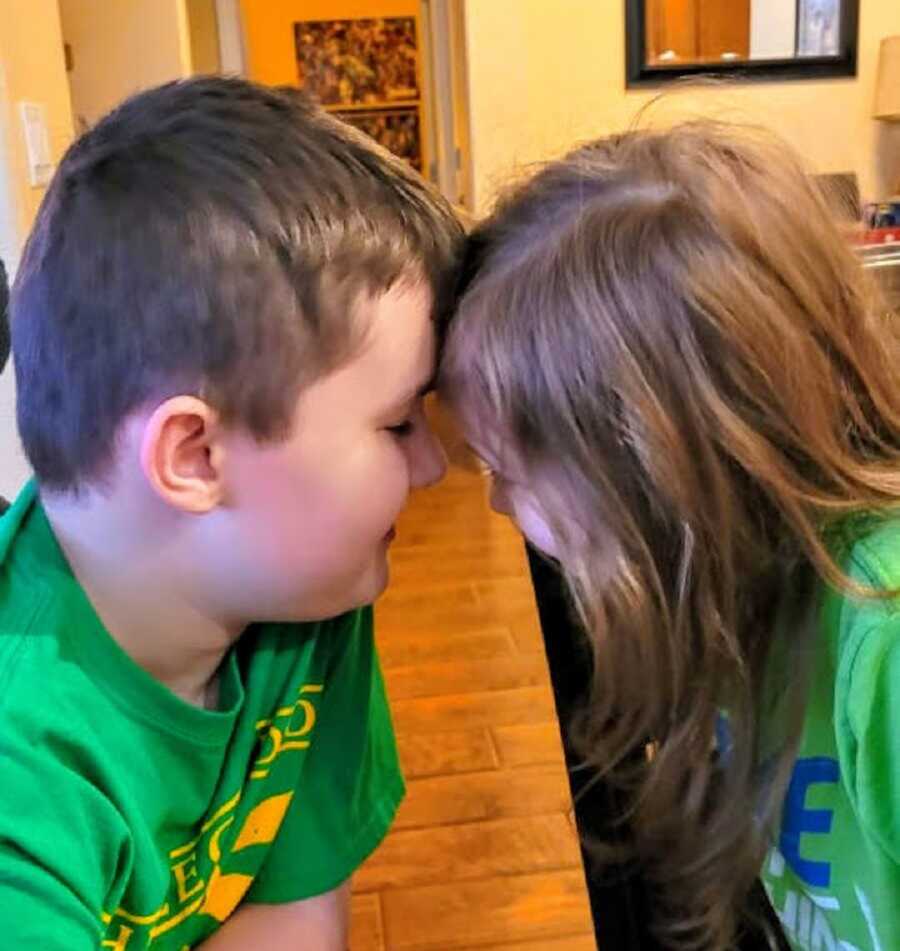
209,236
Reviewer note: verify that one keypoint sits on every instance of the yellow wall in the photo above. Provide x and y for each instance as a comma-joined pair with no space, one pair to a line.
204,36
269,39
31,58
269,30
121,46
543,76
32,69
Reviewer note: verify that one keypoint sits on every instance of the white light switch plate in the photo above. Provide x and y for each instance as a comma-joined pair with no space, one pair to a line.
37,141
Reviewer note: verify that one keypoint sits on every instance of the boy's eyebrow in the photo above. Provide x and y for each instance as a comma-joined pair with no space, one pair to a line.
422,390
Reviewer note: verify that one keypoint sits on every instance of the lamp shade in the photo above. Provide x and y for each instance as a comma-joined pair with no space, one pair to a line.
887,93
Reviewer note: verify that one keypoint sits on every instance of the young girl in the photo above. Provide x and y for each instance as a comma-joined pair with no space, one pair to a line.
674,367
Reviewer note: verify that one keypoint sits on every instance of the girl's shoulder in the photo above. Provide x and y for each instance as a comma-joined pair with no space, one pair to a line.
867,549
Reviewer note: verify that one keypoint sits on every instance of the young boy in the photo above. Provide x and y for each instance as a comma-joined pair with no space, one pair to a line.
222,330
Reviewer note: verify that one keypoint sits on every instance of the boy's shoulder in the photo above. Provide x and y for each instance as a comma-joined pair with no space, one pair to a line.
37,589
33,592
49,704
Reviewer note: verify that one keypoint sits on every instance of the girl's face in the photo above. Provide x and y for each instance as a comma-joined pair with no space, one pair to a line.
519,503
512,492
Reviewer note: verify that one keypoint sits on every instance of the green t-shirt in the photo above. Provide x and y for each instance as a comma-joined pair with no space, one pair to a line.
834,874
129,817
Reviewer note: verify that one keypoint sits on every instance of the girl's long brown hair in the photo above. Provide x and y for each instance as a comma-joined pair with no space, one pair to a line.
668,333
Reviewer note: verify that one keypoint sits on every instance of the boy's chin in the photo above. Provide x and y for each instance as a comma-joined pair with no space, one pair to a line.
379,582
368,588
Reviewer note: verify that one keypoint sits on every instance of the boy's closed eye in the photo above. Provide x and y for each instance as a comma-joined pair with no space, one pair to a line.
401,430
405,420
408,411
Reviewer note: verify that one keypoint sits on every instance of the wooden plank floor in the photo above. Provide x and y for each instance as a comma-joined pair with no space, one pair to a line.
483,854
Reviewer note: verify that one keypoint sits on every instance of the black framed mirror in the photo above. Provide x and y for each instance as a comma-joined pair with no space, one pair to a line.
751,39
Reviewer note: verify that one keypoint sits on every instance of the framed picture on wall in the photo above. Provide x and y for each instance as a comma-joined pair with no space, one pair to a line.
818,27
398,130
365,62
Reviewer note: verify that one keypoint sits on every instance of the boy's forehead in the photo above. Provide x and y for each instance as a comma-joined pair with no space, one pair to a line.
394,358
410,293
397,328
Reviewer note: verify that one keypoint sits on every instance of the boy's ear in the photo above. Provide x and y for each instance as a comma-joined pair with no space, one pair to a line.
181,454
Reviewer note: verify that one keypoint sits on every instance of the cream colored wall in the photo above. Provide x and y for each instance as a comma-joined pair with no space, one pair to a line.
32,69
543,76
121,46
269,30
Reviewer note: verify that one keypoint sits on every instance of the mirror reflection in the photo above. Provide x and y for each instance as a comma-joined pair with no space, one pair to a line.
684,32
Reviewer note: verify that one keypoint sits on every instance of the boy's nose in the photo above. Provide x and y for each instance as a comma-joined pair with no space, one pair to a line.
430,464
498,500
